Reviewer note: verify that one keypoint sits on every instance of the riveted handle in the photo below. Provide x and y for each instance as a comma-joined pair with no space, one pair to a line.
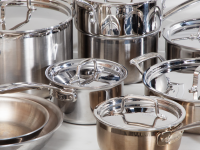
136,61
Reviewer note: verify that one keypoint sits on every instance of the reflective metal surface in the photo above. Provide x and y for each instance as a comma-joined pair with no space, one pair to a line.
55,121
120,50
20,120
168,79
182,39
32,46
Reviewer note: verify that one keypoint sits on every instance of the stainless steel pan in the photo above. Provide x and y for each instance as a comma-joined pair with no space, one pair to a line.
140,123
176,79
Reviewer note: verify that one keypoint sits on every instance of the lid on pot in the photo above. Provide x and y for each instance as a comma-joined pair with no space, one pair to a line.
185,33
86,73
175,79
39,16
122,2
140,113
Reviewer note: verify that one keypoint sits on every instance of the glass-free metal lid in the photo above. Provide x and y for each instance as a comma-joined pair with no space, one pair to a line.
140,113
185,33
18,17
86,73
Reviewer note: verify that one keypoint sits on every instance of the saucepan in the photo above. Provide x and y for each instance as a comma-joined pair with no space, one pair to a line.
54,122
140,122
21,120
78,85
175,79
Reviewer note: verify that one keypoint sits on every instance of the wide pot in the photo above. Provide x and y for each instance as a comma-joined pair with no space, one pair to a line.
55,121
78,85
140,123
182,39
175,79
32,37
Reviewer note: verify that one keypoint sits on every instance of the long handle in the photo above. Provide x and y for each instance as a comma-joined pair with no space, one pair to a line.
179,8
136,61
23,86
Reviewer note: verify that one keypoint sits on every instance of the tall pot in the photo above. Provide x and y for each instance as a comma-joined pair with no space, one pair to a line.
34,35
77,86
175,79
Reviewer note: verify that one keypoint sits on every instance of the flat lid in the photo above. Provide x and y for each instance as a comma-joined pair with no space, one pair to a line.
175,79
139,113
103,75
185,33
46,15
121,2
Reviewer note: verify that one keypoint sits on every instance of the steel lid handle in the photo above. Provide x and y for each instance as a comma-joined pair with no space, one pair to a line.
136,61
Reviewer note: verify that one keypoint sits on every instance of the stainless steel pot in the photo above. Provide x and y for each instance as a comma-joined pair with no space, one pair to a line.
182,39
175,79
119,31
140,123
21,120
55,121
32,37
78,85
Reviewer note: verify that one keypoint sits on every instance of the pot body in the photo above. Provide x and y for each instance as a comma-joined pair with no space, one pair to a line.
24,59
192,111
111,138
120,50
80,111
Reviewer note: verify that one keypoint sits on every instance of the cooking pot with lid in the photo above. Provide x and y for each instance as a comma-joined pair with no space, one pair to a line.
175,79
33,35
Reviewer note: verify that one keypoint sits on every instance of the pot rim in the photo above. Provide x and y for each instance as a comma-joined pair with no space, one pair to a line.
167,127
88,88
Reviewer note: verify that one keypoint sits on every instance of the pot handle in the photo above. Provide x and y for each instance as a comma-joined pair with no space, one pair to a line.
158,115
178,8
136,61
23,86
194,88
164,138
76,77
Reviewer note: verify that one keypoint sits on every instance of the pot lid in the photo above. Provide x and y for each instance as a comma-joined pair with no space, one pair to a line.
140,113
175,79
42,15
86,73
121,2
185,33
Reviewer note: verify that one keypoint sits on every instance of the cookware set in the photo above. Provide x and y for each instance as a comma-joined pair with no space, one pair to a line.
114,38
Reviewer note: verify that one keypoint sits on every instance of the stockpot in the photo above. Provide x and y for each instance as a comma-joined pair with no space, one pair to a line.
33,35
119,31
140,123
175,79
78,85
182,39
55,121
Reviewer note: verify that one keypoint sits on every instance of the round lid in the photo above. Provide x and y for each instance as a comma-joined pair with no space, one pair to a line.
140,113
113,2
86,73
17,17
185,33
175,79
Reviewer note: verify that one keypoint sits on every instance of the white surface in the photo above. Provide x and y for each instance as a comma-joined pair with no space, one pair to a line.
78,137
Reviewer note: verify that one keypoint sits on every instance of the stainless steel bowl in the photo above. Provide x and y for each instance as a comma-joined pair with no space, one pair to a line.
20,120
55,121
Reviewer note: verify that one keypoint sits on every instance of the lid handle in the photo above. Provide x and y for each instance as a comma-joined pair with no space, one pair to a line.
194,88
136,61
158,115
76,77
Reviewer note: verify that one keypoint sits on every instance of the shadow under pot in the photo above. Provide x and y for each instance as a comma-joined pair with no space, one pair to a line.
175,79
140,123
78,85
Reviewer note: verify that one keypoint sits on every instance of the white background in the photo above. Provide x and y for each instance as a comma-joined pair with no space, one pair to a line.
79,137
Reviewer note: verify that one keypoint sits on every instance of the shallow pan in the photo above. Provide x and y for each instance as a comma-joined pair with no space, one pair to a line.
20,120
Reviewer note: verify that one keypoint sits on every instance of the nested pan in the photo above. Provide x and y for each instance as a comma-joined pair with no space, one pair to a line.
20,120
140,123
78,85
55,121
176,79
